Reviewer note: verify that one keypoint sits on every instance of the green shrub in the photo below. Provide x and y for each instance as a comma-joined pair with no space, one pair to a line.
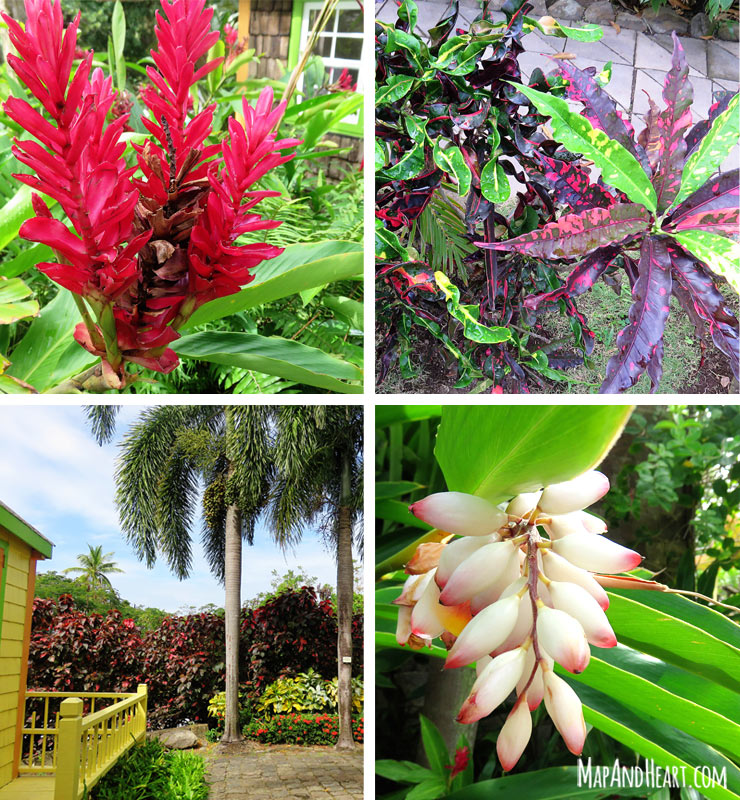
187,776
302,729
307,691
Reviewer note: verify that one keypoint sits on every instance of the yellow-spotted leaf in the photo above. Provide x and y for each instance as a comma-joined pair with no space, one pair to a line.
452,162
719,253
494,184
468,315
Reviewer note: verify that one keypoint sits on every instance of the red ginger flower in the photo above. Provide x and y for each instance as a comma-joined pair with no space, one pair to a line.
147,251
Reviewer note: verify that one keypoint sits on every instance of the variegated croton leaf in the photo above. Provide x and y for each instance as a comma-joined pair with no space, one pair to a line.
571,185
712,207
640,344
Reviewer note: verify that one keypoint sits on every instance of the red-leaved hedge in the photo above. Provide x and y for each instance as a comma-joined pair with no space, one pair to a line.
182,661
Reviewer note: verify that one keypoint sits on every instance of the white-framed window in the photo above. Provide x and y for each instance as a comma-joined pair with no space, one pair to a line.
339,45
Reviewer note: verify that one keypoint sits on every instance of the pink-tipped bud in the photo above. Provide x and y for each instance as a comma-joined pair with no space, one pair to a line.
403,625
493,686
477,572
558,569
522,504
596,553
566,712
425,621
514,735
484,632
564,639
495,591
578,603
581,492
536,690
456,552
562,525
460,513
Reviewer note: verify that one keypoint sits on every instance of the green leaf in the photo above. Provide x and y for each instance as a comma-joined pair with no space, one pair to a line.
395,87
402,771
410,165
452,162
619,168
434,746
386,490
48,353
409,13
494,184
273,356
554,783
588,33
674,641
380,158
387,415
467,314
297,268
499,451
397,511
15,212
12,305
118,26
719,253
27,258
712,150
346,308
387,245
428,790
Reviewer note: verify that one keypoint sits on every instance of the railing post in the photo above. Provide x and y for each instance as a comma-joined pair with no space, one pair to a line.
143,689
69,744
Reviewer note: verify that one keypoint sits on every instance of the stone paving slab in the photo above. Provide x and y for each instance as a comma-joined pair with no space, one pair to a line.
251,771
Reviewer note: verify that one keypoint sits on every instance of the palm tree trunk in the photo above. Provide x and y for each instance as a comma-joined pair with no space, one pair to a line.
344,611
232,581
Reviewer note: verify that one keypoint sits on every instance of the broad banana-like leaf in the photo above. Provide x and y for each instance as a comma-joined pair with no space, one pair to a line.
619,168
579,234
637,343
719,253
580,280
672,123
600,108
13,305
712,151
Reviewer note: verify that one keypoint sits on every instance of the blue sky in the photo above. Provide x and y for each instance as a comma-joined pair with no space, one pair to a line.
54,475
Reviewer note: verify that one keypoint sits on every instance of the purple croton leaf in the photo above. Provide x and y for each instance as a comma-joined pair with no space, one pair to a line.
580,280
697,288
601,109
572,185
639,344
441,31
667,129
713,206
579,234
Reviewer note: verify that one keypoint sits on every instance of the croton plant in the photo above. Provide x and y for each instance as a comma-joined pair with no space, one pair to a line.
148,247
456,110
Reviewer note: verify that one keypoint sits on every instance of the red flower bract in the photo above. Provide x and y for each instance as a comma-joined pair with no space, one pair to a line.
147,251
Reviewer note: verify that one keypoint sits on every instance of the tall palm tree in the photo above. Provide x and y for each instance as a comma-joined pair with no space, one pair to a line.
319,456
163,457
94,568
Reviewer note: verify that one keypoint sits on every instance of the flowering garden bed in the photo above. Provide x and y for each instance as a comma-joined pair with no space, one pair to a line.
305,729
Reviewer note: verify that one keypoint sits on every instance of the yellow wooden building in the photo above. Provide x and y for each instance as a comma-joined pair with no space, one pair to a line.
53,745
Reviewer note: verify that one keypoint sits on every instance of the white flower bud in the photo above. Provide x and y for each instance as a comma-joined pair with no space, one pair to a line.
460,513
495,591
484,632
403,625
563,637
425,621
477,572
413,589
579,604
581,492
596,553
514,735
522,504
456,552
566,712
557,568
576,522
493,686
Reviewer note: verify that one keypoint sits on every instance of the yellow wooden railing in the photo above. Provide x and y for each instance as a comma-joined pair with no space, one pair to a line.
79,749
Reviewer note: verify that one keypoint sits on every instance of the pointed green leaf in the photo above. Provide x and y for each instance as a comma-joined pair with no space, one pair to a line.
588,33
619,168
434,746
12,305
468,315
273,356
719,253
409,13
396,87
712,151
118,26
408,166
452,162
386,490
494,184
379,155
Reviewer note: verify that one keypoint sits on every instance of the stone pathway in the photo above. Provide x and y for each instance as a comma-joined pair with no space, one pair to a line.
639,61
251,771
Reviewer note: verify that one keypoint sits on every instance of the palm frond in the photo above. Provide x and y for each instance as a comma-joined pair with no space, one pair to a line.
102,421
441,236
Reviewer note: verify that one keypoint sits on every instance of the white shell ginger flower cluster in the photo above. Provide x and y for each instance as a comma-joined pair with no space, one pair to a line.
514,601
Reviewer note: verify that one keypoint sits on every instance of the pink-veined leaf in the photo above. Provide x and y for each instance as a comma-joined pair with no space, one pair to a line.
572,185
721,221
707,301
719,194
580,234
672,123
601,109
639,343
700,130
579,280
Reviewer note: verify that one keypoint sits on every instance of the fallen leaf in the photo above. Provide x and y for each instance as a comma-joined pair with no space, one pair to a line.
617,28
564,56
706,37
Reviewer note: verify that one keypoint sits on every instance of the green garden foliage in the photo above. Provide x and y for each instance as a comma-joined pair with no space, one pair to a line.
300,729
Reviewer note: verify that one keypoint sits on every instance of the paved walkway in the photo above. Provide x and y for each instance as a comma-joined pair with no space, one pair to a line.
251,771
639,61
